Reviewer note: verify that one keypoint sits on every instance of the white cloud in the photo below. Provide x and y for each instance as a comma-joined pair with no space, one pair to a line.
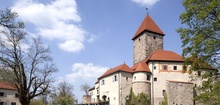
85,71
147,3
75,46
57,20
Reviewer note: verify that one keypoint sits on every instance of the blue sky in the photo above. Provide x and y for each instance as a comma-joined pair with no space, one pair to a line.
87,37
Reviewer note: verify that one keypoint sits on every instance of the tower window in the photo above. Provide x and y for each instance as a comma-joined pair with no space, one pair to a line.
155,67
148,77
155,78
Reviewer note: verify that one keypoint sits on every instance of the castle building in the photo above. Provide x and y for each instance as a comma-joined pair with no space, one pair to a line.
155,72
8,94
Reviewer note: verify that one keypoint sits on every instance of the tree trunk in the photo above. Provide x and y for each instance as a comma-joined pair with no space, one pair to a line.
24,101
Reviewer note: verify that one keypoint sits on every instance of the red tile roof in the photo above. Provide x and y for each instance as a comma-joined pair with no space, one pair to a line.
122,67
6,85
141,67
163,55
149,25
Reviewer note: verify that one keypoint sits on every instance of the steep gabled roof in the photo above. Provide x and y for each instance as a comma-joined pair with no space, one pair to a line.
141,67
122,67
163,55
6,85
148,25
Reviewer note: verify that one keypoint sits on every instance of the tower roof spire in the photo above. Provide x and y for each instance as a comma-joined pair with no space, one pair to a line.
148,25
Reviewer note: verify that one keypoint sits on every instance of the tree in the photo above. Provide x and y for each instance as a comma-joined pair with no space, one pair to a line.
85,87
165,100
64,95
37,102
25,60
201,45
201,37
141,99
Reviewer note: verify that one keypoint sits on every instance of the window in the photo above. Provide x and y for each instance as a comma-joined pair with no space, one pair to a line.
148,77
126,78
15,95
154,37
164,92
97,91
199,73
114,78
2,94
155,67
134,77
13,103
174,67
3,103
155,78
165,67
103,82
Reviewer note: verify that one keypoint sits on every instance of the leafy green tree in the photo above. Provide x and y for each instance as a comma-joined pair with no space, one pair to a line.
62,95
201,36
141,99
25,61
37,102
201,46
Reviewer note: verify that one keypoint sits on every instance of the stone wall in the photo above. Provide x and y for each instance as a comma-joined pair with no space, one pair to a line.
179,93
145,44
139,87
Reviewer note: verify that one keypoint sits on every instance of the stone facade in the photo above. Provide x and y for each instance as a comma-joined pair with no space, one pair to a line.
179,93
145,44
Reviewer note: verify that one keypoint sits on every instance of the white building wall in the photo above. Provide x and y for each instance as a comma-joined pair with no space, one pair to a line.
110,89
162,76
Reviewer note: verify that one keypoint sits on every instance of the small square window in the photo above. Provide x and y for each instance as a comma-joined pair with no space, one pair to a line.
174,67
155,79
165,67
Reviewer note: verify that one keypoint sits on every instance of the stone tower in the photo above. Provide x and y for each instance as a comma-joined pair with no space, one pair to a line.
141,79
149,37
